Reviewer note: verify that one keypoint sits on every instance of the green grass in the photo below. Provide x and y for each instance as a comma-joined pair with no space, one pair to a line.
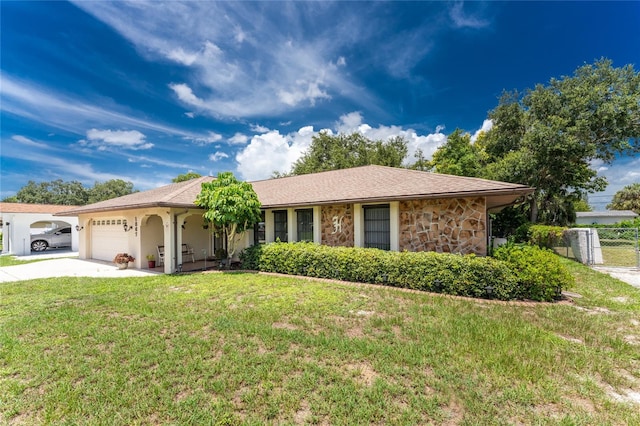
8,260
620,255
253,349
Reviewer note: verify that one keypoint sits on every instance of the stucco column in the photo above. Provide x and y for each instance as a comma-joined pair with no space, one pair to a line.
358,226
84,237
317,225
168,228
394,225
292,229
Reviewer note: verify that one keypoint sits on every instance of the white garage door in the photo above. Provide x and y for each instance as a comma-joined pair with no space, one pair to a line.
108,238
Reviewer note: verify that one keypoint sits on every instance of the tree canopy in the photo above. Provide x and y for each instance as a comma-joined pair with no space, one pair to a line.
185,177
110,189
232,207
458,156
549,137
628,198
342,151
70,193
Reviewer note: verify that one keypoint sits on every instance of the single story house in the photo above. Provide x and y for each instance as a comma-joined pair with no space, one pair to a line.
370,206
20,220
608,217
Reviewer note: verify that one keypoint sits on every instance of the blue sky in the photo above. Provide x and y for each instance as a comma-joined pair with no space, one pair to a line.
144,91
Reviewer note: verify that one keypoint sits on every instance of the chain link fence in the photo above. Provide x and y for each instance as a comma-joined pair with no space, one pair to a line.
612,247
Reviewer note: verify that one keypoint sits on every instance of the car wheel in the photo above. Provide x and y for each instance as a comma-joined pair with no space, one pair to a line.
39,245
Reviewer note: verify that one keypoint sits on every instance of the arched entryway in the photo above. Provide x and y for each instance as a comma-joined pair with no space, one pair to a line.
45,235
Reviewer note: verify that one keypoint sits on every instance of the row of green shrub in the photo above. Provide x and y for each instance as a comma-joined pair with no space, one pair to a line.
634,223
545,236
508,276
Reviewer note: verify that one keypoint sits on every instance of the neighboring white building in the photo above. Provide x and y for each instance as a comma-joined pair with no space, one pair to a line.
608,217
20,220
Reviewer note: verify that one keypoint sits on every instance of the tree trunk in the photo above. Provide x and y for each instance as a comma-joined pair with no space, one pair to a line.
534,210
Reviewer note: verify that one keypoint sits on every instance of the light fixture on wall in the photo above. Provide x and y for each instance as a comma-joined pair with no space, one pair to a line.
79,228
126,228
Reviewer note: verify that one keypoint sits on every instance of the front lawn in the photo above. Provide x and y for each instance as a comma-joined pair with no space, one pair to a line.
243,348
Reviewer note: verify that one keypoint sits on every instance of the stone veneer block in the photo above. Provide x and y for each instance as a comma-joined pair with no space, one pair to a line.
337,225
454,225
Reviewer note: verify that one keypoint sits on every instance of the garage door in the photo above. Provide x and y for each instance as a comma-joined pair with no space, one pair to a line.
108,238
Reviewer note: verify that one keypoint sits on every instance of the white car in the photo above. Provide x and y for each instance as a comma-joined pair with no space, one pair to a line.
58,237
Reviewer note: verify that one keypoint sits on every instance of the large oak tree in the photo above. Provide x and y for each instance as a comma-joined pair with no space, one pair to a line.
551,136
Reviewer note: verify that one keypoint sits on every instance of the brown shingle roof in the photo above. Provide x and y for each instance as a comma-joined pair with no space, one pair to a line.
374,183
359,184
181,194
33,208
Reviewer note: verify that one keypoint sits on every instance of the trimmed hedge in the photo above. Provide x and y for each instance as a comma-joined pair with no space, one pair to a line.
442,273
539,272
546,236
516,272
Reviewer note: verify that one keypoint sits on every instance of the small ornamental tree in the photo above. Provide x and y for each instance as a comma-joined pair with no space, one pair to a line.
232,207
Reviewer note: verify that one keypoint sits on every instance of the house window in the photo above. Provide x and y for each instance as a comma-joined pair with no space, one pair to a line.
259,234
377,227
280,225
305,224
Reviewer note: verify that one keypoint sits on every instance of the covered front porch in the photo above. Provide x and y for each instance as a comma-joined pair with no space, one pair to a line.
178,240
210,264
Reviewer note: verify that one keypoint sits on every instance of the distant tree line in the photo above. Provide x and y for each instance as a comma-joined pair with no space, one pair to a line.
74,193
71,193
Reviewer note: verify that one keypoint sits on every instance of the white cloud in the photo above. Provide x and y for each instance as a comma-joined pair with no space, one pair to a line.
621,172
462,20
238,139
486,126
186,95
209,138
352,122
126,139
182,57
349,123
258,128
218,155
190,114
26,141
271,151
305,91
69,113
279,70
240,35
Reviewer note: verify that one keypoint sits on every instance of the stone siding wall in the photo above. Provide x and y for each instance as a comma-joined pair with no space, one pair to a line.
444,226
337,225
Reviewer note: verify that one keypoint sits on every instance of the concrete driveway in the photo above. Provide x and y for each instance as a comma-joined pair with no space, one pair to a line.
628,275
59,264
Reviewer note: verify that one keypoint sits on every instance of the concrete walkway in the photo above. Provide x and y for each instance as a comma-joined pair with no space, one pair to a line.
59,264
